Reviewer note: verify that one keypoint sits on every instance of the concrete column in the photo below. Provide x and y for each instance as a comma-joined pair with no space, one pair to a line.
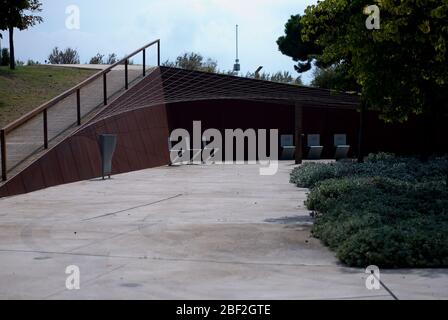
298,117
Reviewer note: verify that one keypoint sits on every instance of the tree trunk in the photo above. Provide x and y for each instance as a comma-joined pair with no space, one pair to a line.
361,132
12,62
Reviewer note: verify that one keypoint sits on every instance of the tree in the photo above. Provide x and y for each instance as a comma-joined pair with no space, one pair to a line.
18,14
292,45
5,58
282,77
193,61
32,62
111,59
69,56
335,77
98,59
259,76
285,77
401,68
190,61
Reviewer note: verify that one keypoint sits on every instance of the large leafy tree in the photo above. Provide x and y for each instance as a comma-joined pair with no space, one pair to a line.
335,77
18,14
292,45
401,68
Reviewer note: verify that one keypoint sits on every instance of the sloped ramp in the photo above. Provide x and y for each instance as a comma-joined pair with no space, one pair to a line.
142,144
141,119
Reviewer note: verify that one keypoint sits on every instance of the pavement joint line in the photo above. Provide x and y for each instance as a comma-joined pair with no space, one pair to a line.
175,259
389,291
385,287
133,208
86,283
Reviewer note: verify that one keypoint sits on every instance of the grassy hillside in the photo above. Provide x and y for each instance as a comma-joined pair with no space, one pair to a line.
29,86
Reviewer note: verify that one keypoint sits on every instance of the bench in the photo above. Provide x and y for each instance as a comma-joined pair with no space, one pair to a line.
341,146
314,147
287,146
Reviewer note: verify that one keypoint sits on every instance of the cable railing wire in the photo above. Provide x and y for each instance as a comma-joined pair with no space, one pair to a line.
53,124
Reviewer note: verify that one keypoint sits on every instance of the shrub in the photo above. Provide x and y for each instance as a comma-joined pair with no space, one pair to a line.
309,174
406,169
381,157
98,59
31,62
69,56
111,59
5,58
420,243
390,212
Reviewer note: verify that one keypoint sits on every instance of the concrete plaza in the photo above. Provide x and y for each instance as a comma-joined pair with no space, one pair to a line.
182,232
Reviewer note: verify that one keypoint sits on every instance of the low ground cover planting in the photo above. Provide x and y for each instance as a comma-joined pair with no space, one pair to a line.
389,211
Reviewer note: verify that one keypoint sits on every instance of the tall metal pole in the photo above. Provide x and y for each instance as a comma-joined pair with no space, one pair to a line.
236,67
237,43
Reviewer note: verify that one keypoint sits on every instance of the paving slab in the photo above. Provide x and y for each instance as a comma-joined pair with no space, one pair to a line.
183,232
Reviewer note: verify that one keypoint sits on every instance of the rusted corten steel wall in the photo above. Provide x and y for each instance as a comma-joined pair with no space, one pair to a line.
242,114
141,143
141,121
168,99
399,138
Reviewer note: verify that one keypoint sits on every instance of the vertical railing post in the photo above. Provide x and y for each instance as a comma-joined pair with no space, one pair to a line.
144,62
105,88
126,84
3,151
158,53
78,106
45,114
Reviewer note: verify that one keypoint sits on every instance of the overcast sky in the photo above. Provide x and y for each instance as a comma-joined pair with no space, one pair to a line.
204,26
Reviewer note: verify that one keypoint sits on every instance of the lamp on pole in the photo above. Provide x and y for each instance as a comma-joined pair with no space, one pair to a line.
237,66
257,72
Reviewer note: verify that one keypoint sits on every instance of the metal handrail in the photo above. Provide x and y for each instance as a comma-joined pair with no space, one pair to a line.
76,89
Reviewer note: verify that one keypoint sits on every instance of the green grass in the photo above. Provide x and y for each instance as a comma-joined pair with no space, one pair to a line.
27,87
